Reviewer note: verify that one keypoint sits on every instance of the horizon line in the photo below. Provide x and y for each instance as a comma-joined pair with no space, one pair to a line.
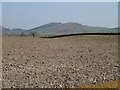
57,22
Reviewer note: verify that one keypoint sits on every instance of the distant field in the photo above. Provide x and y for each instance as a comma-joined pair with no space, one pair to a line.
78,34
74,61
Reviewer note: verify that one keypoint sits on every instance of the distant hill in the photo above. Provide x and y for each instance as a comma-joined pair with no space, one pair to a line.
68,28
57,28
7,31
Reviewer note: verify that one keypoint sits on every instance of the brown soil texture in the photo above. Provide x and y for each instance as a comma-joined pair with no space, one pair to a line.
112,84
74,61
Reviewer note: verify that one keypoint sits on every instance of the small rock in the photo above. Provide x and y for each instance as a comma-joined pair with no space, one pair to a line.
14,58
90,50
43,62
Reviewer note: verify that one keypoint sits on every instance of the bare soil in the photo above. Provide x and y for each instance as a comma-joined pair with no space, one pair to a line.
74,61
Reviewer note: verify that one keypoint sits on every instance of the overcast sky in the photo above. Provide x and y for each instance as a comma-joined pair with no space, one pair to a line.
28,15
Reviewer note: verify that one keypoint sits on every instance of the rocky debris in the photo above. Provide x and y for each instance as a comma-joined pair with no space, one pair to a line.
59,62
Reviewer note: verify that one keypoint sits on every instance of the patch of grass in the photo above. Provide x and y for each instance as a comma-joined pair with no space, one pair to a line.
112,84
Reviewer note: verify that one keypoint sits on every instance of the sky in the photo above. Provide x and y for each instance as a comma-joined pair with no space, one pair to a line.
27,15
0,13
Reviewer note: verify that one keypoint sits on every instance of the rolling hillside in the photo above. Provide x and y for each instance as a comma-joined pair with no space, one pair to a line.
57,28
7,31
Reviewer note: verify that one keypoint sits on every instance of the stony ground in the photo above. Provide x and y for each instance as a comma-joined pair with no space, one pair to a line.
111,84
59,62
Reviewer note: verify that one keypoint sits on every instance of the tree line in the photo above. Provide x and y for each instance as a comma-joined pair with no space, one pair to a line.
33,34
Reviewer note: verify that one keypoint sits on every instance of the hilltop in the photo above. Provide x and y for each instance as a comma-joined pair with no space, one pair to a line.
57,28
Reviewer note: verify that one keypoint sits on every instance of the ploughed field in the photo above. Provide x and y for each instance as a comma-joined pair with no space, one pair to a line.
73,61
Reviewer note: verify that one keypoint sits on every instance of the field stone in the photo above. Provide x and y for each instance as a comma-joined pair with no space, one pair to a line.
59,62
